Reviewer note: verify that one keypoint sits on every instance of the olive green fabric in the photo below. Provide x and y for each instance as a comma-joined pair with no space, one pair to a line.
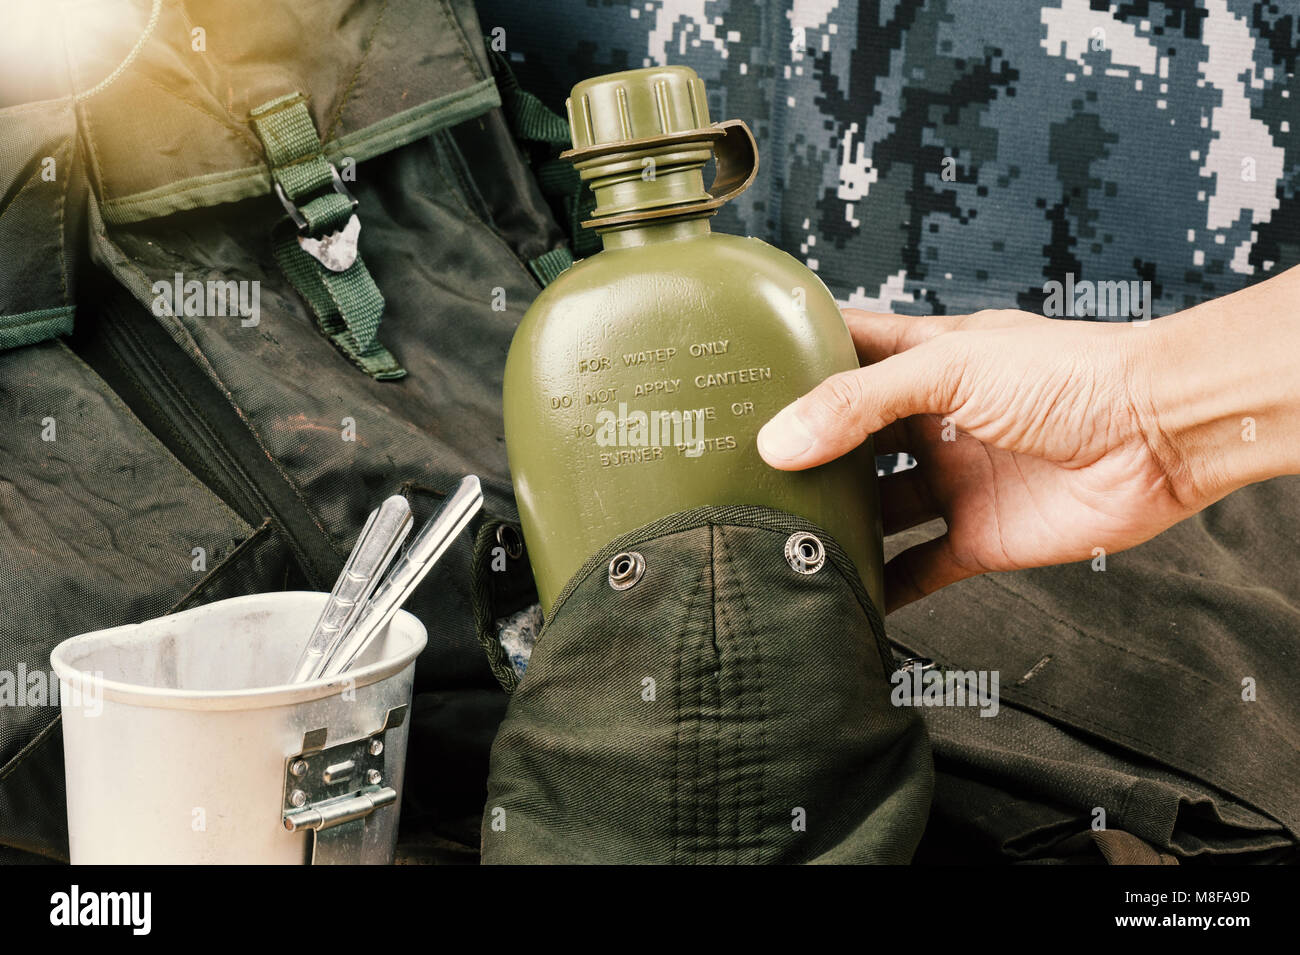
545,134
335,440
548,266
1160,689
724,709
99,526
256,440
171,132
347,304
41,202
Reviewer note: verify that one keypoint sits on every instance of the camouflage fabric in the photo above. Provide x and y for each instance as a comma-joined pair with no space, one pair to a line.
942,156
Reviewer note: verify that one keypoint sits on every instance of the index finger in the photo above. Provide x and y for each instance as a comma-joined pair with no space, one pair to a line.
877,335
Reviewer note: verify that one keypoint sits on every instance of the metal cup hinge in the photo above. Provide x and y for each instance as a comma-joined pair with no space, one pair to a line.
332,790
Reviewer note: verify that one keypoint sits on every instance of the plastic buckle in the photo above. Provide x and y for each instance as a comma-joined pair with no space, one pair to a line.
335,250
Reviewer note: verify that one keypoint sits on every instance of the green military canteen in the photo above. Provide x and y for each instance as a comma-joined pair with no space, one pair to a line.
711,683
638,380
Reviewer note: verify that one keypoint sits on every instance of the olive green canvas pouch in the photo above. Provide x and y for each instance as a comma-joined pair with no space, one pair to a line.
723,708
224,427
100,524
191,151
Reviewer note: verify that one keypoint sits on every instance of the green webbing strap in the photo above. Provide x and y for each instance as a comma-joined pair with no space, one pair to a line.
348,305
28,328
558,178
530,119
528,116
548,266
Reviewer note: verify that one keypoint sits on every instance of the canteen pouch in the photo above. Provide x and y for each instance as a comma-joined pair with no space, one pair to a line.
723,707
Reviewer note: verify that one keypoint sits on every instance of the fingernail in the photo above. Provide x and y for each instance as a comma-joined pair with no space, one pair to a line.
784,437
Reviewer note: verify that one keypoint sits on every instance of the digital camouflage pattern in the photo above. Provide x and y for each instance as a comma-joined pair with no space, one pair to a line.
943,156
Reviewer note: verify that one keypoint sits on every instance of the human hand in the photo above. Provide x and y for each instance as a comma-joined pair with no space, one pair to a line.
1037,440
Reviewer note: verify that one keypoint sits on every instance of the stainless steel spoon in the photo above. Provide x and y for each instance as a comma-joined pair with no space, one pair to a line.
374,550
426,547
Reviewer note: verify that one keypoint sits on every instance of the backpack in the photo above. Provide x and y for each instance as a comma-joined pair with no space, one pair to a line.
202,406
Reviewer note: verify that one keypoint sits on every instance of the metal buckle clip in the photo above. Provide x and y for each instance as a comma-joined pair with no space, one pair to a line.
335,250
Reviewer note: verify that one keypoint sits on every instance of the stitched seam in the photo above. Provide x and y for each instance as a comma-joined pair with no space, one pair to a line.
359,143
63,214
203,362
84,124
724,795
128,350
730,646
760,762
701,806
309,157
224,116
443,143
1205,776
53,315
203,428
1083,633
491,230
35,179
677,720
184,186
464,41
695,744
356,74
716,805
253,540
227,123
739,662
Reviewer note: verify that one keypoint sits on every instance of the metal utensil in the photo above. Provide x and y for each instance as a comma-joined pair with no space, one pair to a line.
374,550
426,547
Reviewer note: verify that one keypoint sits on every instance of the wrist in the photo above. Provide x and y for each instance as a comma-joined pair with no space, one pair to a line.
1222,384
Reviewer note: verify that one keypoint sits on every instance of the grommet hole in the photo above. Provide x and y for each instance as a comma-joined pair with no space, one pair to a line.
805,552
508,537
626,569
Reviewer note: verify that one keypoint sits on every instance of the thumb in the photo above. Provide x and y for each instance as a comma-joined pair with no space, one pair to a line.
845,409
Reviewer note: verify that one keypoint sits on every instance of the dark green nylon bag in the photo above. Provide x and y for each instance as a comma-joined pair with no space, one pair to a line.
723,709
198,454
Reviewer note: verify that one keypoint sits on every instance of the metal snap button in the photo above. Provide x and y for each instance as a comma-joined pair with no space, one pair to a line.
804,552
508,536
916,663
625,570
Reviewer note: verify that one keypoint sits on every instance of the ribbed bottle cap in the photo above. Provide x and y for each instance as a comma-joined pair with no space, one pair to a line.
635,105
